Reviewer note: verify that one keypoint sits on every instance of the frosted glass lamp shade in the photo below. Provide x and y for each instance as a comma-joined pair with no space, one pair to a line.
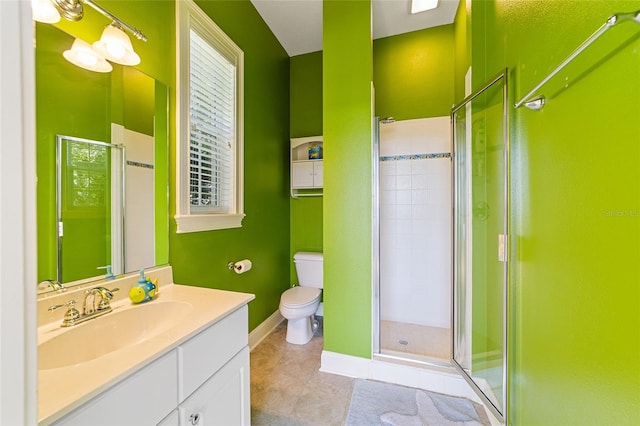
116,46
82,55
44,11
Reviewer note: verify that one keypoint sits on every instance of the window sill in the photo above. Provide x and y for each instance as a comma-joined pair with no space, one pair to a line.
207,222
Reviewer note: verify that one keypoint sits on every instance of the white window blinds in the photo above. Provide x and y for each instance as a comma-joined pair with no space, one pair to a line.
212,130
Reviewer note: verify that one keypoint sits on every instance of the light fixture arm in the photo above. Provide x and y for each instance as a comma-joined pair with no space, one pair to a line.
136,32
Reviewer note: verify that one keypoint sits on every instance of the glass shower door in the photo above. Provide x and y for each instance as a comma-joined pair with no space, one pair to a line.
480,139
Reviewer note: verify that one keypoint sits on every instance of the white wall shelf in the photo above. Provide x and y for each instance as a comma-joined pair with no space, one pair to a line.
306,167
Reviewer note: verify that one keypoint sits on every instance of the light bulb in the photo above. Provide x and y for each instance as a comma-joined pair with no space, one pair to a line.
116,46
82,55
87,58
44,11
116,50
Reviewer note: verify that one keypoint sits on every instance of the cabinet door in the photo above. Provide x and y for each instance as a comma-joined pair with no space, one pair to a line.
223,399
318,174
302,174
203,355
144,398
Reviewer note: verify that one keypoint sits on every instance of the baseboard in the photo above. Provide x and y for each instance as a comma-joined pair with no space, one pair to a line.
344,365
258,334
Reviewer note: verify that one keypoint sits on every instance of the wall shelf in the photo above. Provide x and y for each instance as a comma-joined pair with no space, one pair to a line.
306,167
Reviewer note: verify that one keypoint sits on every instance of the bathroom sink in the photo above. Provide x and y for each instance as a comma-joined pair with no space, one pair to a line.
120,328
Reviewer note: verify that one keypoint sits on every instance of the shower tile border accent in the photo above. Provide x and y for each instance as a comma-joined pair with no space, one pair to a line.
416,156
139,164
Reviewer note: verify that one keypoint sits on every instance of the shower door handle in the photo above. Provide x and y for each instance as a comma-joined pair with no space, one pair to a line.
502,247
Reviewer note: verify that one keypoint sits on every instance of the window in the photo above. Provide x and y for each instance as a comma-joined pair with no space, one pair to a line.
210,124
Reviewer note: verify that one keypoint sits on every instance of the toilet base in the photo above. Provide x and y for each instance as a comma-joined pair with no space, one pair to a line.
301,330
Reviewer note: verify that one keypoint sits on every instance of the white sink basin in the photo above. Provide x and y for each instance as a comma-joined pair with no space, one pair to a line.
125,326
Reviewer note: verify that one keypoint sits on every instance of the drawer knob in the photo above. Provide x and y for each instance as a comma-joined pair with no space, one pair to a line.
194,418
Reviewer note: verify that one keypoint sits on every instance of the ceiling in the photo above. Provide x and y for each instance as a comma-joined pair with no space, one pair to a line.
297,24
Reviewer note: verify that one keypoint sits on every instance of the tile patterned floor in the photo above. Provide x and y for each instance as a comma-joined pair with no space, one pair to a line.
287,387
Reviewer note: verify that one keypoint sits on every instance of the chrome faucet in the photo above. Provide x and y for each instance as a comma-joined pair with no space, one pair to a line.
53,284
100,298
99,305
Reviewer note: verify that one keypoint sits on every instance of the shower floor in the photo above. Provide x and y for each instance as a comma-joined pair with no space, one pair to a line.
418,342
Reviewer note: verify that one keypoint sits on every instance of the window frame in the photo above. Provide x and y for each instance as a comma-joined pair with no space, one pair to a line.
190,16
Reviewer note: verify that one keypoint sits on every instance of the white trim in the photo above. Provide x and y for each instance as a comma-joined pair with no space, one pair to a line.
296,142
207,222
344,365
189,14
18,246
267,326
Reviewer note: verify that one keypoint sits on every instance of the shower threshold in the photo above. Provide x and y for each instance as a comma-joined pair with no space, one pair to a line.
413,360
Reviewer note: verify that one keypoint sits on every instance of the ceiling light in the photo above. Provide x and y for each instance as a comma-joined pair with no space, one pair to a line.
418,6
44,11
70,10
116,46
82,55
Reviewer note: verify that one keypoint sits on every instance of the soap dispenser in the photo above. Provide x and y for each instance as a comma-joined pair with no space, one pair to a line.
109,275
143,291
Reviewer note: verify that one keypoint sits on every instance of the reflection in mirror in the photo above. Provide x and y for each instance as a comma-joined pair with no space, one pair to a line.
89,205
115,108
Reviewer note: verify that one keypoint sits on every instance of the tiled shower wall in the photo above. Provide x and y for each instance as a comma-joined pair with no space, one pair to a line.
415,222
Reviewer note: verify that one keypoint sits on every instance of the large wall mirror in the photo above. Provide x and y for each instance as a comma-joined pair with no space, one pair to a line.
102,162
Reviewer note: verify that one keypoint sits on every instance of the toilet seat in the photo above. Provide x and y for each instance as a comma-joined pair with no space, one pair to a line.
300,297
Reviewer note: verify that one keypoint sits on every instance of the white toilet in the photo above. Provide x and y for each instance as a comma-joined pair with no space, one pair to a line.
299,304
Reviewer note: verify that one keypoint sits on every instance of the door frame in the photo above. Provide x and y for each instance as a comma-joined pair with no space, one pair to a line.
504,237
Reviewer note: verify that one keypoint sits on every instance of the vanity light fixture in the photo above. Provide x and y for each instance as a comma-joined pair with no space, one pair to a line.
73,10
418,6
82,55
116,46
44,11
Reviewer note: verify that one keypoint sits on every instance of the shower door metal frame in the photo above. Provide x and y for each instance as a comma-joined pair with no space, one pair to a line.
500,414
375,233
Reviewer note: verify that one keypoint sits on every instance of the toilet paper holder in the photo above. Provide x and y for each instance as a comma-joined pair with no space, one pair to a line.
240,266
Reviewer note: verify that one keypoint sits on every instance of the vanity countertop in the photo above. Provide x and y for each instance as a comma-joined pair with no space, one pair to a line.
60,390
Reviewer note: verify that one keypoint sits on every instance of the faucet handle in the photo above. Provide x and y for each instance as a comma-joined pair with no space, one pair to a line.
70,316
56,307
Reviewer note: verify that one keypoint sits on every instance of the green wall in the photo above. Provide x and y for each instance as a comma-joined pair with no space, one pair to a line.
201,258
575,186
413,73
305,99
462,39
347,110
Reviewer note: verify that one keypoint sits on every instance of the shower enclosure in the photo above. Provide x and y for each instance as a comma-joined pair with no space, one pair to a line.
414,177
440,225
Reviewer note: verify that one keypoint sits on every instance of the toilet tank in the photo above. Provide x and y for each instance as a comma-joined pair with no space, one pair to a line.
309,268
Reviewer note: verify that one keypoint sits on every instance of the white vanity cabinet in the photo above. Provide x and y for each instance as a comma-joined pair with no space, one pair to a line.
202,381
306,166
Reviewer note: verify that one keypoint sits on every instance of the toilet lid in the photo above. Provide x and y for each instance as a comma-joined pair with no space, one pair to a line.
299,296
